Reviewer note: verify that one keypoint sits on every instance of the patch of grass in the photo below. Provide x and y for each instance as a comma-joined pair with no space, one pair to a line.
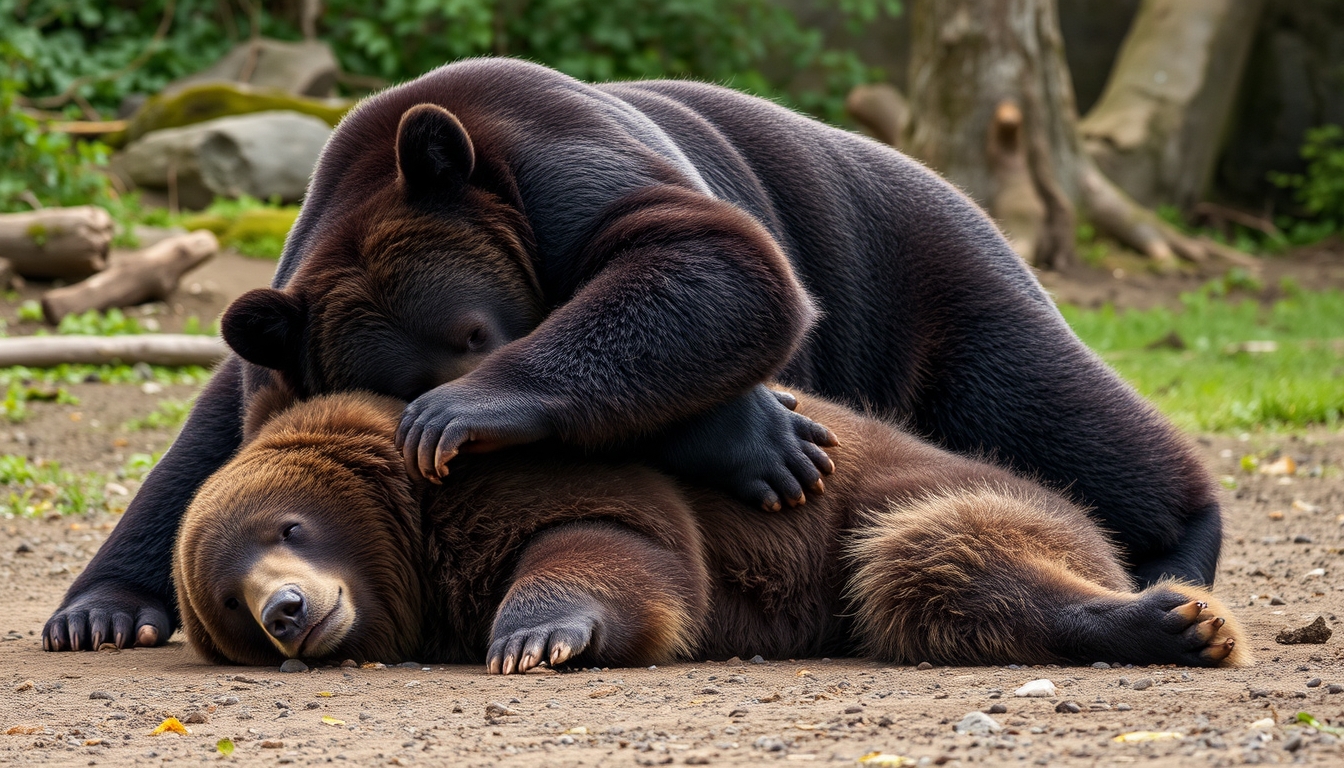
105,374
35,488
250,226
169,414
1218,364
14,407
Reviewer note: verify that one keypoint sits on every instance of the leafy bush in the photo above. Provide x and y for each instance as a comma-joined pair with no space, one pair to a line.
45,167
1321,189
755,45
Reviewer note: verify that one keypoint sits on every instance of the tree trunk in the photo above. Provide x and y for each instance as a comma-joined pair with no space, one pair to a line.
66,243
134,279
973,59
992,110
1159,123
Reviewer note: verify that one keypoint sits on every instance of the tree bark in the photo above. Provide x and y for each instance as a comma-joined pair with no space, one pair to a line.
151,348
65,243
1159,124
967,58
148,275
993,111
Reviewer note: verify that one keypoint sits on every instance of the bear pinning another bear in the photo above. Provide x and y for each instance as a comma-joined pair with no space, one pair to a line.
314,541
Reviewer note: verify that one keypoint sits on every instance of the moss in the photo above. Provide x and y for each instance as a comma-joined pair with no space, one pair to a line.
213,100
260,233
37,232
213,222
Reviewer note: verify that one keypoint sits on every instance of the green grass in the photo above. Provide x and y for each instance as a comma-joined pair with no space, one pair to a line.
36,488
170,413
1214,383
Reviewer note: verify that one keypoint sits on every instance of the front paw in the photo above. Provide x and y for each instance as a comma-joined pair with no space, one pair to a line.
754,447
552,642
107,613
455,418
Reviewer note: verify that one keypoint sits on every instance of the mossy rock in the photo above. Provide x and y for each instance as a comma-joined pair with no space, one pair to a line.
260,233
213,100
216,224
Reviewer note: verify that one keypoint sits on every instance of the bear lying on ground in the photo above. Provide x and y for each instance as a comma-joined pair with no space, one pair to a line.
525,256
314,541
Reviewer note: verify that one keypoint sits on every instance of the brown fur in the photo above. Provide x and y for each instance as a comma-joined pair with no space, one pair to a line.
912,554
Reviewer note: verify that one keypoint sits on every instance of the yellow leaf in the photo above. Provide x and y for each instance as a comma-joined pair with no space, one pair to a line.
225,747
883,758
329,720
170,725
802,673
325,694
1136,737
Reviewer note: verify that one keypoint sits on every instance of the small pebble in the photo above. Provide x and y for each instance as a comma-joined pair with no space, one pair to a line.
1143,684
1314,682
1100,665
757,659
853,709
923,666
367,715
997,709
312,705
293,665
1036,689
349,664
1302,538
1070,707
1334,688
1122,707
409,665
1259,693
272,744
101,695
710,690
977,724
770,744
1276,600
495,709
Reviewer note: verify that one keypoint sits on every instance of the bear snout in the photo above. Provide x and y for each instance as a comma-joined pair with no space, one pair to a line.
285,615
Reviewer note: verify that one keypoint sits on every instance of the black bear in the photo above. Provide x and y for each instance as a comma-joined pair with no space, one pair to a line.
314,542
526,256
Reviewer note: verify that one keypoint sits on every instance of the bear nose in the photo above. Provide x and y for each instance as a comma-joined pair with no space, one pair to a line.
286,614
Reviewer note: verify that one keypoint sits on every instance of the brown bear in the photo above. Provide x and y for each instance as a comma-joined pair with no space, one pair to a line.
314,541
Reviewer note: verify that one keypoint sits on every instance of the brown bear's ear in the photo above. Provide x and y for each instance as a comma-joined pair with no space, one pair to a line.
434,152
265,327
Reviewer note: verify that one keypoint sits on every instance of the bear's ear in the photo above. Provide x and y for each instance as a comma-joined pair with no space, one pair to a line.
434,152
265,327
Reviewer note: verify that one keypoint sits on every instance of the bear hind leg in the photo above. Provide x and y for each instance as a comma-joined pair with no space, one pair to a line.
987,577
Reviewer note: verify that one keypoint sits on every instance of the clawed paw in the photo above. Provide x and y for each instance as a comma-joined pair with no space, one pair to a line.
1204,638
523,649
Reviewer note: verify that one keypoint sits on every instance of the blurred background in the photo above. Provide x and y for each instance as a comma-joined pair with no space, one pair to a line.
1173,169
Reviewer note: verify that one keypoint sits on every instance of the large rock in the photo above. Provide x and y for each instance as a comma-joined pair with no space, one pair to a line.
304,68
210,101
265,155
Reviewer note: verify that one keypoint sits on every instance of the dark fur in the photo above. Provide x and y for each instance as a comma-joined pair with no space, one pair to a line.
632,255
912,554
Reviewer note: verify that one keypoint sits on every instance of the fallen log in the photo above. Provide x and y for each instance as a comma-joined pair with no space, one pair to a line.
65,243
148,275
151,348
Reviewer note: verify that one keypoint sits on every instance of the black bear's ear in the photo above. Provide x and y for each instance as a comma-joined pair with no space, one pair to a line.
434,152
265,327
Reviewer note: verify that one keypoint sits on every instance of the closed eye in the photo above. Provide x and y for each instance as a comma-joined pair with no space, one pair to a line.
289,530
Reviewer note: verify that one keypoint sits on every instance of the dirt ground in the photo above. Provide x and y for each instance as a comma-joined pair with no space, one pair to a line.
1282,568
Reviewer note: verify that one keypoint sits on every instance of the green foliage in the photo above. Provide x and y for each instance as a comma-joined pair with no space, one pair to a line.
112,322
36,164
1321,189
247,225
194,375
756,45
1222,365
169,414
17,396
42,487
213,100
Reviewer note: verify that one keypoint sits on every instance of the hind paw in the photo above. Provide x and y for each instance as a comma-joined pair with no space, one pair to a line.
1199,637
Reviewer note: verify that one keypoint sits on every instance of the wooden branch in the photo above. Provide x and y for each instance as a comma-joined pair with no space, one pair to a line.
89,127
66,243
148,275
151,348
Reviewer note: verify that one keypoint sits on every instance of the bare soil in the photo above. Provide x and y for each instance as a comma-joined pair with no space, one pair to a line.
99,708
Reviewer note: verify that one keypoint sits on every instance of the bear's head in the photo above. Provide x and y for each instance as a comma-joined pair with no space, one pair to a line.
308,542
411,288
